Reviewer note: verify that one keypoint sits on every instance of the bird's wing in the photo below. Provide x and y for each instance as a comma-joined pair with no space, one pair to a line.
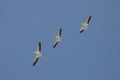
55,43
35,60
81,30
88,20
39,47
60,31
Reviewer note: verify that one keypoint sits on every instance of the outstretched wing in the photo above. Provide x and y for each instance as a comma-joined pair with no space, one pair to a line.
88,20
60,31
35,61
81,30
39,47
55,43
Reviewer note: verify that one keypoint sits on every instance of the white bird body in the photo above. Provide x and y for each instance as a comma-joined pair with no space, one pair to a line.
85,25
37,54
57,38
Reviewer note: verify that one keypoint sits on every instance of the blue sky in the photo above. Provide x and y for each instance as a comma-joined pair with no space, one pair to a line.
91,55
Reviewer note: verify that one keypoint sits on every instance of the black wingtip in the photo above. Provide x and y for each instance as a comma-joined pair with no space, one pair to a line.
81,31
35,62
90,16
60,31
89,19
55,44
39,43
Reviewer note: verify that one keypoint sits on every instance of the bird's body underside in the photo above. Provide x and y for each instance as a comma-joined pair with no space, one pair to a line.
85,25
37,54
57,38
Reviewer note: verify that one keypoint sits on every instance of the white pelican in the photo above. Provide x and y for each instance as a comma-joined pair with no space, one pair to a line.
85,25
37,54
57,38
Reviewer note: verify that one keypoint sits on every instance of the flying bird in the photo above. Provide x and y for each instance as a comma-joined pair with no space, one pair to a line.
85,25
57,38
37,54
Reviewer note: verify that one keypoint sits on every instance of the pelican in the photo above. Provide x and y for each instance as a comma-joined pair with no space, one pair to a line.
37,54
57,38
85,25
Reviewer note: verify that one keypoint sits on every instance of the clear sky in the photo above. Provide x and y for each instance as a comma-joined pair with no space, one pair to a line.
91,55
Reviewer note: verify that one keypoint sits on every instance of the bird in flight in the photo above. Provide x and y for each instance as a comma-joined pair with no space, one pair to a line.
85,25
37,54
57,38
